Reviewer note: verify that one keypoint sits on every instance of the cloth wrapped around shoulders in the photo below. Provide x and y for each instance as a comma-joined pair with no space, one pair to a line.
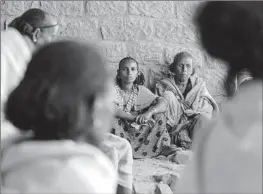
143,98
185,110
195,98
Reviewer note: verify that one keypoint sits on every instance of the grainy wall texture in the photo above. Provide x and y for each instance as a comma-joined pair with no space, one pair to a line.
150,31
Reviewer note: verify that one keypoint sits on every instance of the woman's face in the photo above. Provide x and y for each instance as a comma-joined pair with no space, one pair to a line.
184,68
128,72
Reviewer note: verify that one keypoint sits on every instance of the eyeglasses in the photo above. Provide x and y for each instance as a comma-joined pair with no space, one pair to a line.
40,27
48,26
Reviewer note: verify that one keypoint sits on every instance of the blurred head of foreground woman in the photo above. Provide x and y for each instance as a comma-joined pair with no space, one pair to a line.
228,157
234,34
65,98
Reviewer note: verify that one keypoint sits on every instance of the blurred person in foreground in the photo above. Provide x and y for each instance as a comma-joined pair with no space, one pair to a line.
24,34
228,151
65,100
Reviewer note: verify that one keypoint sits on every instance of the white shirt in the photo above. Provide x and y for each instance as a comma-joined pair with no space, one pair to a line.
15,54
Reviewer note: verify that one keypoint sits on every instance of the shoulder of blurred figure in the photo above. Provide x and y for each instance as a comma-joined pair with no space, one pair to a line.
12,38
8,33
246,106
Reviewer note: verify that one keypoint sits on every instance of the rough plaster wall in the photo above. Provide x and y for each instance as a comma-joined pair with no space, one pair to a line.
150,31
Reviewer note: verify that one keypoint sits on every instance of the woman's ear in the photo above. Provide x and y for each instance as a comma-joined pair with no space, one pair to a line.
36,35
139,73
193,72
171,67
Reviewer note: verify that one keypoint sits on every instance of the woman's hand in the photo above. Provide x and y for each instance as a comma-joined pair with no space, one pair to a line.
190,112
125,115
143,118
185,104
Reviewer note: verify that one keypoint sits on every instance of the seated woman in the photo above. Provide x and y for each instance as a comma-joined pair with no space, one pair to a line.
187,98
69,116
139,113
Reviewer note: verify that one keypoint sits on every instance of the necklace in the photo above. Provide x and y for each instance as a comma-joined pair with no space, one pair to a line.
127,96
128,102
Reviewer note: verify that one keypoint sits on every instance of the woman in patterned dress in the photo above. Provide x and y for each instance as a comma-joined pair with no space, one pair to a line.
140,114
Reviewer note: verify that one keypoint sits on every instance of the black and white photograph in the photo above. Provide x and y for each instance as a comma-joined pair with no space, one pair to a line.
131,97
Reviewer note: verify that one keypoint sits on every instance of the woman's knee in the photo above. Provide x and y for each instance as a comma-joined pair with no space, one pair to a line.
167,95
170,97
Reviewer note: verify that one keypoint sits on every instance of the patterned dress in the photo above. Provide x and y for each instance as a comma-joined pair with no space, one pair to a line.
146,140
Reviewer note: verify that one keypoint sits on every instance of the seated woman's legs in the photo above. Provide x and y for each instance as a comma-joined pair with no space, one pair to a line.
173,113
174,110
147,141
